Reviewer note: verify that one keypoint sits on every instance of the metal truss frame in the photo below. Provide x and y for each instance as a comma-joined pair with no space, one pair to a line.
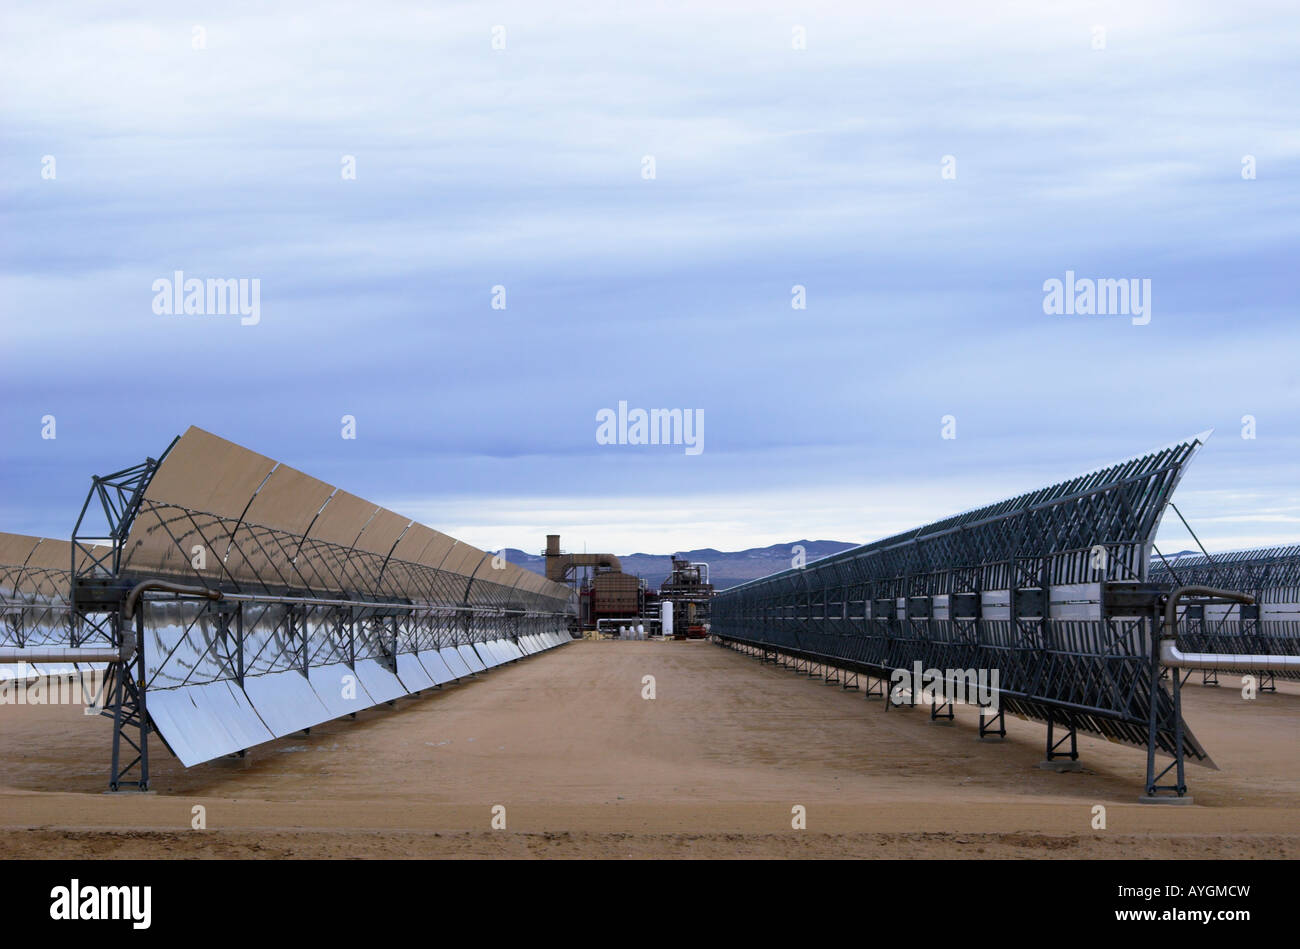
95,598
253,559
1048,588
271,601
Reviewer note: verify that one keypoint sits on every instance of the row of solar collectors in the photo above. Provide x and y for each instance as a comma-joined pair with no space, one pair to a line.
34,582
1268,638
27,621
37,624
1058,660
1272,574
209,720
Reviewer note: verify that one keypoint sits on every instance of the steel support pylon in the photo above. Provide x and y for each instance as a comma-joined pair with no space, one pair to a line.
130,714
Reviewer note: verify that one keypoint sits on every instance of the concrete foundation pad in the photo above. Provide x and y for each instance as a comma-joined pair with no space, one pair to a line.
1061,765
1165,799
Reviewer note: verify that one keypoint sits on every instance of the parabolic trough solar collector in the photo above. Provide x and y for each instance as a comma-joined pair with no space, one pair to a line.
331,604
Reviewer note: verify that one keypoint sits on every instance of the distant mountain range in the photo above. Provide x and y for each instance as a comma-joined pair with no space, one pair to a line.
726,568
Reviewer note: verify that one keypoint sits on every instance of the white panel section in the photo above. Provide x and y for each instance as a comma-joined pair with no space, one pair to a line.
488,655
412,672
331,682
206,739
455,662
202,722
472,659
286,702
996,604
1076,601
435,667
227,703
173,715
382,685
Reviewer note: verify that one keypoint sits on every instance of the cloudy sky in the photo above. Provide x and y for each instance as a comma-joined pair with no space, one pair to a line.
921,169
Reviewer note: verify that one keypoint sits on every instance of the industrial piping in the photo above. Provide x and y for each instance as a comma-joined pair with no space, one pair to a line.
558,565
1171,655
167,586
18,654
59,654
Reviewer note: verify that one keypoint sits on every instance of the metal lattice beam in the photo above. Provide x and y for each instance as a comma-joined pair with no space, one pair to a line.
1019,586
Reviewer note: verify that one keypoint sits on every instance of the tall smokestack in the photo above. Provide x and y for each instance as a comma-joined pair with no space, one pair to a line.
554,563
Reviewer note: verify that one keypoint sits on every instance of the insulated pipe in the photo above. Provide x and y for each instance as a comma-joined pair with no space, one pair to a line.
384,605
1228,662
705,577
641,620
58,654
101,653
1171,604
1171,655
166,586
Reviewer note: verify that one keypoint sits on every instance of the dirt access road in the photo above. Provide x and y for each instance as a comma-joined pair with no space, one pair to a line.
711,767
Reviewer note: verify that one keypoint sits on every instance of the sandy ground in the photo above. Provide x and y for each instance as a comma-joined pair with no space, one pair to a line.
711,767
